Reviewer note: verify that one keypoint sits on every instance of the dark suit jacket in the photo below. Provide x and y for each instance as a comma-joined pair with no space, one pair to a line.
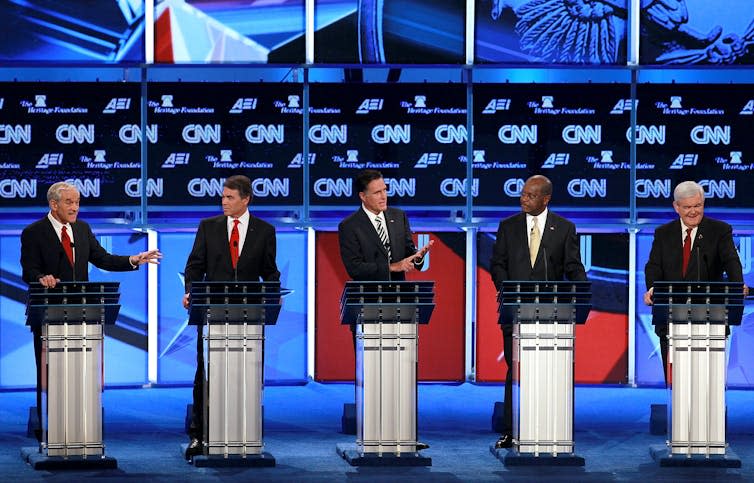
510,255
361,249
210,256
42,253
713,253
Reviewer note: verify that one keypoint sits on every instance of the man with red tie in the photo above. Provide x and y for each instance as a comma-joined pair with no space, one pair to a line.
60,247
692,248
233,246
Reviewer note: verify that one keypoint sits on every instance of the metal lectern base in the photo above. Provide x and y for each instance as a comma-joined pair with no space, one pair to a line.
512,458
262,460
350,453
661,454
40,461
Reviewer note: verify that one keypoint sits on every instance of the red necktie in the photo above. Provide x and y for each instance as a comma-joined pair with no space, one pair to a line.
66,241
686,250
234,243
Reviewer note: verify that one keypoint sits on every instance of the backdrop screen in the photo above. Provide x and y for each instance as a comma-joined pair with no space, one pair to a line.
574,134
694,132
207,132
415,134
85,133
93,31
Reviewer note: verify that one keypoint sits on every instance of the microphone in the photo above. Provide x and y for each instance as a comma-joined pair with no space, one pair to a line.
73,268
698,264
544,255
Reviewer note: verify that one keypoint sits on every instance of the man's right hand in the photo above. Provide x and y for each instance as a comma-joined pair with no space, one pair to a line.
648,296
48,281
186,301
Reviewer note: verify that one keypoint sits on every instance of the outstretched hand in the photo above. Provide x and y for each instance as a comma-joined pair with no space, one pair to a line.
151,256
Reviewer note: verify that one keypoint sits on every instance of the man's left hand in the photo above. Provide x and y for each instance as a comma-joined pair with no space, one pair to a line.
151,256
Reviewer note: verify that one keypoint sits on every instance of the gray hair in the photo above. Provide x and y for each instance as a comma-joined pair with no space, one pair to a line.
56,190
687,189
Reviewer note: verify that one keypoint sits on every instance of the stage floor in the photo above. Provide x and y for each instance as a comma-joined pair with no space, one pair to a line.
144,430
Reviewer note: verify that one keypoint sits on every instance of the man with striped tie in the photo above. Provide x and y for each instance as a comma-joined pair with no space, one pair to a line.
535,244
376,241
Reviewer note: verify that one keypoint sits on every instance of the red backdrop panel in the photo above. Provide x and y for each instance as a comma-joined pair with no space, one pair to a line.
441,343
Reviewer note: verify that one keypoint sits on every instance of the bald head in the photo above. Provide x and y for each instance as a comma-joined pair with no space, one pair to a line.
536,194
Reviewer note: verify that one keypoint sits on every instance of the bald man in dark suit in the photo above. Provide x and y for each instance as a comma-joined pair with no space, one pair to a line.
233,246
555,255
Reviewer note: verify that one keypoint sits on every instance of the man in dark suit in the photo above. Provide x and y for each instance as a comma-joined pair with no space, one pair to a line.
363,251
693,247
535,244
376,241
233,246
58,248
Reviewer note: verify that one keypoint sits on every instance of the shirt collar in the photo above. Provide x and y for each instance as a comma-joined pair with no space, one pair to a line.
244,219
371,215
684,228
540,218
57,225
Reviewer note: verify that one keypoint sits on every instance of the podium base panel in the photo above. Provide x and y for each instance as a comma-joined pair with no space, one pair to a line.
350,453
498,423
514,458
658,419
261,460
40,461
348,419
661,454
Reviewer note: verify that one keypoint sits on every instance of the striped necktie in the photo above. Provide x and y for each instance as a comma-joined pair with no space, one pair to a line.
383,235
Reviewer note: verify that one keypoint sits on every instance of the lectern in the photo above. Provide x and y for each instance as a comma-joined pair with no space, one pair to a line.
698,315
234,315
71,319
386,316
544,316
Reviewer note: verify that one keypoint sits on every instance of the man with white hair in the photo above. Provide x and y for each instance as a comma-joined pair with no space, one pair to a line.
693,248
59,247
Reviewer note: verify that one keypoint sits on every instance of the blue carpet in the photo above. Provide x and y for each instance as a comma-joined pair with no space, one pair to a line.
144,430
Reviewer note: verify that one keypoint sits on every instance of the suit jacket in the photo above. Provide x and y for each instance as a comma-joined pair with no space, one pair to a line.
713,253
42,253
558,255
210,256
361,249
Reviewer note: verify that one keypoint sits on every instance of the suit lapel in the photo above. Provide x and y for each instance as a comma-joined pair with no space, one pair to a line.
247,241
392,236
222,238
368,227
692,271
80,258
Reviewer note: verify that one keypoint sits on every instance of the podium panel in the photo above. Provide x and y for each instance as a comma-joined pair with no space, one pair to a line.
234,315
698,367
698,316
74,388
235,367
386,361
385,317
544,315
543,361
70,320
